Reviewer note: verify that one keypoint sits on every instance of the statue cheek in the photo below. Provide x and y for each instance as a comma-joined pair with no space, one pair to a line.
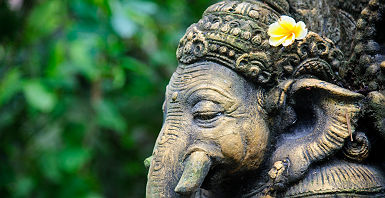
257,138
232,146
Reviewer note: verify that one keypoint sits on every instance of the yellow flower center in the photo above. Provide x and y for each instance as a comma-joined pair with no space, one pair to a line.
285,31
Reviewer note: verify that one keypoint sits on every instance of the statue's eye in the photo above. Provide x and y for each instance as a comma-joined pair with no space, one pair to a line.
206,111
210,116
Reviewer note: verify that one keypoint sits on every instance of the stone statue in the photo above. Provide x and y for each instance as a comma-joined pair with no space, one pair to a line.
245,116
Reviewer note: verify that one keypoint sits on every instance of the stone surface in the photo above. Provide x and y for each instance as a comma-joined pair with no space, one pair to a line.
246,119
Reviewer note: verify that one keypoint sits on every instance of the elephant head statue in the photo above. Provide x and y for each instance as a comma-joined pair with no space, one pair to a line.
245,119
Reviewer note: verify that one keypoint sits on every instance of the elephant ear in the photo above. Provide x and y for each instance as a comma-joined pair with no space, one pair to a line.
333,113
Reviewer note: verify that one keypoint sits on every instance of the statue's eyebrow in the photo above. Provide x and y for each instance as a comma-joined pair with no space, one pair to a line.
213,88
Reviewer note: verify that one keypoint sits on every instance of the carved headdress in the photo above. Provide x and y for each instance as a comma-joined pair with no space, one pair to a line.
234,33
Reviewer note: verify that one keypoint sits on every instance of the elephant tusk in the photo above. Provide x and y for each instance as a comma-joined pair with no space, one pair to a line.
195,171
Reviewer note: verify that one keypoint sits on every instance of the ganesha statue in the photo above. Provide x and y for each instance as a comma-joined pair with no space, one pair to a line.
276,98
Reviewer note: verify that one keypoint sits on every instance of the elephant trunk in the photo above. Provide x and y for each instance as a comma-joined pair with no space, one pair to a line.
171,174
165,167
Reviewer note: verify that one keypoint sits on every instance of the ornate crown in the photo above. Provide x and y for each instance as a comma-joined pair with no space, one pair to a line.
234,33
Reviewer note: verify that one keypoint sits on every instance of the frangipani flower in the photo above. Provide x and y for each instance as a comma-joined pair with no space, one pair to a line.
285,31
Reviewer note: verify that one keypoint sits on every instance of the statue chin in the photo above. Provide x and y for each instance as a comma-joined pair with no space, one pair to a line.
247,117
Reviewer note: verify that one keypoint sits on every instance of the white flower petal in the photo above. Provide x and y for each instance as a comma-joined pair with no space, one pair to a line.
303,30
286,22
276,41
275,30
289,40
286,31
288,19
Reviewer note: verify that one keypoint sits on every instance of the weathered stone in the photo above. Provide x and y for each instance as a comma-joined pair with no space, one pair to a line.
246,119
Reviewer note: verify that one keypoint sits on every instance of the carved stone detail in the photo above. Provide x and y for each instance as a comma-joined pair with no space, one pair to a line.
246,119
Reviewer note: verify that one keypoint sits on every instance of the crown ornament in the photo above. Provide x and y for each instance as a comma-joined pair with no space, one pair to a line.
235,34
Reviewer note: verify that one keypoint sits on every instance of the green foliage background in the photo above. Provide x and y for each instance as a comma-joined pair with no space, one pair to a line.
81,90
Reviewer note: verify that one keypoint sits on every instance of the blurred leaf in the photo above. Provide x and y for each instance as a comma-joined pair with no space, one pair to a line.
109,117
134,65
134,168
72,159
56,58
143,7
82,56
45,18
81,88
38,96
9,86
118,77
121,22
23,186
47,139
123,26
49,164
94,195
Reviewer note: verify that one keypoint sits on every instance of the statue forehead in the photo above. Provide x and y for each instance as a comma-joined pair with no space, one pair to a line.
188,76
205,75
